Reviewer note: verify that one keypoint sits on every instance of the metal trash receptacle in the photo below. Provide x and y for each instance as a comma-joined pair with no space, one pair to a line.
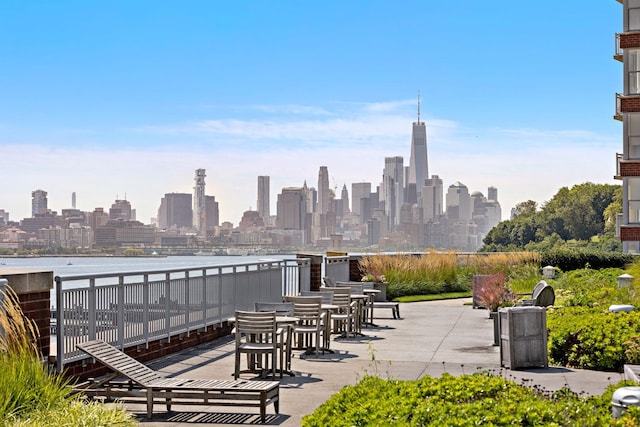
623,398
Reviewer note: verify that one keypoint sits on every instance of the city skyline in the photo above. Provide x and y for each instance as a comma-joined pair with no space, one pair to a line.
243,90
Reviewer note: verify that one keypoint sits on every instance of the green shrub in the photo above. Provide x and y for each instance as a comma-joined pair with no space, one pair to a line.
590,338
567,259
467,400
588,288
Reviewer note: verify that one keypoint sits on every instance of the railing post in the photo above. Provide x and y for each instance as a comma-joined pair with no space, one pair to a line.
187,300
145,309
93,317
204,299
60,323
121,311
167,301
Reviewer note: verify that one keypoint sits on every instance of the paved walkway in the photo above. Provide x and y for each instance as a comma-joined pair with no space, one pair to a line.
429,339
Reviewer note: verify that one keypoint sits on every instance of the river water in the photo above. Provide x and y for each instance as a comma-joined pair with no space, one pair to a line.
78,266
71,266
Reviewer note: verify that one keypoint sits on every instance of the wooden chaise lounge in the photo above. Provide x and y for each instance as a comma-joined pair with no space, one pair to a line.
144,384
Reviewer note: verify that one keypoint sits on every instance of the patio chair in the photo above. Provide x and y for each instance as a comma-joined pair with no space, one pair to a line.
311,324
343,319
257,334
281,309
329,282
542,295
144,384
327,297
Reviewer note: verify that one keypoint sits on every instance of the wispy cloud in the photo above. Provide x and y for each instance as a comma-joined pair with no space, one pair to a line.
522,163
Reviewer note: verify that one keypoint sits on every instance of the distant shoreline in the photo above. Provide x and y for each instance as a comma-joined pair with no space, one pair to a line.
87,256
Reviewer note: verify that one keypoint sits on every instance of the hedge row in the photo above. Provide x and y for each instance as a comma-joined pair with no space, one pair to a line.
573,259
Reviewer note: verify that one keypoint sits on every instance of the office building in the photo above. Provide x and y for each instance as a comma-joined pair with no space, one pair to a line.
263,198
211,213
458,202
344,197
432,198
199,207
176,211
393,189
121,210
291,209
38,203
323,191
418,162
359,190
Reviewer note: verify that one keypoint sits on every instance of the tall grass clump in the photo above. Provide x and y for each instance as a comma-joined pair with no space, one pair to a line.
29,393
439,272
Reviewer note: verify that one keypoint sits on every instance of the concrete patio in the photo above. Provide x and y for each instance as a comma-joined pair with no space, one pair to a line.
430,338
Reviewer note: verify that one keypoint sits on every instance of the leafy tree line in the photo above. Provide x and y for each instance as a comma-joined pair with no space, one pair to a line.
582,216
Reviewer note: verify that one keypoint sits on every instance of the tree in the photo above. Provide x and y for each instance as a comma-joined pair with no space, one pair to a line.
578,214
525,209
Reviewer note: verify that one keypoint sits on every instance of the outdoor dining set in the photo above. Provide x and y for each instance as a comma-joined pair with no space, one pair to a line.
268,335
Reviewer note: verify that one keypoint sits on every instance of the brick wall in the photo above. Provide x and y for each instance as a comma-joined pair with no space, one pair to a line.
628,168
630,233
35,306
316,270
630,104
629,40
354,268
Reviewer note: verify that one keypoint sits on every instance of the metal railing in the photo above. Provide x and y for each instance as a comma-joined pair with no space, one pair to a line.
135,308
337,268
619,159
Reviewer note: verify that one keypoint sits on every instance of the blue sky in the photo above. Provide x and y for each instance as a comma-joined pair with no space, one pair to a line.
119,98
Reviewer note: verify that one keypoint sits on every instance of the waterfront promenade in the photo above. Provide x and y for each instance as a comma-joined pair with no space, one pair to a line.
429,339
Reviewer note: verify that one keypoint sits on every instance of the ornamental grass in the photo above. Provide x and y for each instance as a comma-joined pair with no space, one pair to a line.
30,394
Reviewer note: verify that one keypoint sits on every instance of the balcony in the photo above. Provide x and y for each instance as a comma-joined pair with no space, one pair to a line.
618,113
618,161
618,50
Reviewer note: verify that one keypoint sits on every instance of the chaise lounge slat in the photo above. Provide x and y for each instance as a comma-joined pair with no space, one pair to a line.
153,387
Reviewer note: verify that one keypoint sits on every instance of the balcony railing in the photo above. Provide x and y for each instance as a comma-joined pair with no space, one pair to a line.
618,113
135,308
618,53
619,158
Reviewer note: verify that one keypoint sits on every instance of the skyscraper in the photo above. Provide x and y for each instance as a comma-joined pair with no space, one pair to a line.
292,209
38,203
359,190
393,189
199,207
344,196
459,206
263,198
176,211
121,209
418,163
212,213
323,190
432,196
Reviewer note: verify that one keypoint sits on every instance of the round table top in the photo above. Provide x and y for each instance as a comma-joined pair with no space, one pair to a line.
329,307
279,319
286,319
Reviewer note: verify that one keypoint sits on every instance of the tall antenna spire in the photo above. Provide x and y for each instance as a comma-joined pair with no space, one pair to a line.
418,107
